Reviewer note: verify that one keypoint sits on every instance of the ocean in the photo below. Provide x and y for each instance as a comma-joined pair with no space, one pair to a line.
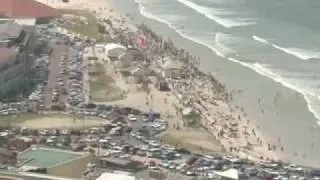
267,52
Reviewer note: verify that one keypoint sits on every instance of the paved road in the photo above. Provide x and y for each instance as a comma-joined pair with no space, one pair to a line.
55,58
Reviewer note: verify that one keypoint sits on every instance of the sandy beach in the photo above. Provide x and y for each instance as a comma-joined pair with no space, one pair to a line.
227,123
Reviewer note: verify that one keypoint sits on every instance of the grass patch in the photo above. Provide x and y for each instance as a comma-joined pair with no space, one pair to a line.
103,88
86,24
11,120
38,121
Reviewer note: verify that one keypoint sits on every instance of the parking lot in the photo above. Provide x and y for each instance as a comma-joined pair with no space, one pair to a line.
77,88
55,90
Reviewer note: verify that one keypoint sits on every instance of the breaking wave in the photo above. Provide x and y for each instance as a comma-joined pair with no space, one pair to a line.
299,53
259,68
263,70
302,54
259,39
209,13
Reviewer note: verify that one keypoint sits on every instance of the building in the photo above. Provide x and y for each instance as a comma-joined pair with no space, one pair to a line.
114,51
4,138
26,12
172,69
20,143
17,44
54,162
157,175
7,157
119,164
161,84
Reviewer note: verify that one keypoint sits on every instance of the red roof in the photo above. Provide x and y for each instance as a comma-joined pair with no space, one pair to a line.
26,9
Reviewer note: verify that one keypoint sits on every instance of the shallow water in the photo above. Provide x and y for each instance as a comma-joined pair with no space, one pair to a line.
249,51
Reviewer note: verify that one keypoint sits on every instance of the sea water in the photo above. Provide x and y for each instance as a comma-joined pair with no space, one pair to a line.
278,40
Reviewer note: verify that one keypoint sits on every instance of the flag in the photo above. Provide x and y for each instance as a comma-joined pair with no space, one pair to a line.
142,42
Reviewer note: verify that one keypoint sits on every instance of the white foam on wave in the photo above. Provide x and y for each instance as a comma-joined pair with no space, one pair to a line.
223,12
314,101
309,97
149,15
260,69
259,39
209,13
219,38
297,52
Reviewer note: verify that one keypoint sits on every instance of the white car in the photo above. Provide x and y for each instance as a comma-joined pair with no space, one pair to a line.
131,117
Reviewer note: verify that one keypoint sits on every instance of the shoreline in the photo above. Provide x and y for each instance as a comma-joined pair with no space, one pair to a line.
273,119
251,124
247,137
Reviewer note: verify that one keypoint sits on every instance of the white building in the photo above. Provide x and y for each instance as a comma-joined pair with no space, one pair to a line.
112,176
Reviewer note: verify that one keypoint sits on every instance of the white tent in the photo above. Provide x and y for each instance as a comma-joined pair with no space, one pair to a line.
173,64
187,111
114,50
228,174
112,176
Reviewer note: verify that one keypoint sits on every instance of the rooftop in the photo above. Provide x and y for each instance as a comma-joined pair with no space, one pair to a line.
10,30
26,9
122,162
43,157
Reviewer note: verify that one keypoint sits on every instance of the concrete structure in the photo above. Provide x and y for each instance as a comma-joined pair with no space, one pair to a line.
17,44
7,157
55,162
112,176
119,164
26,12
172,68
20,143
114,50
157,175
4,137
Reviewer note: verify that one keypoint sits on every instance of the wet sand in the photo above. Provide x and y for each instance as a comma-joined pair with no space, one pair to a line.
284,120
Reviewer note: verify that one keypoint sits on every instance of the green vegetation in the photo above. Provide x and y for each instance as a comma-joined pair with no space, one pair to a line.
102,87
32,120
11,120
84,23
